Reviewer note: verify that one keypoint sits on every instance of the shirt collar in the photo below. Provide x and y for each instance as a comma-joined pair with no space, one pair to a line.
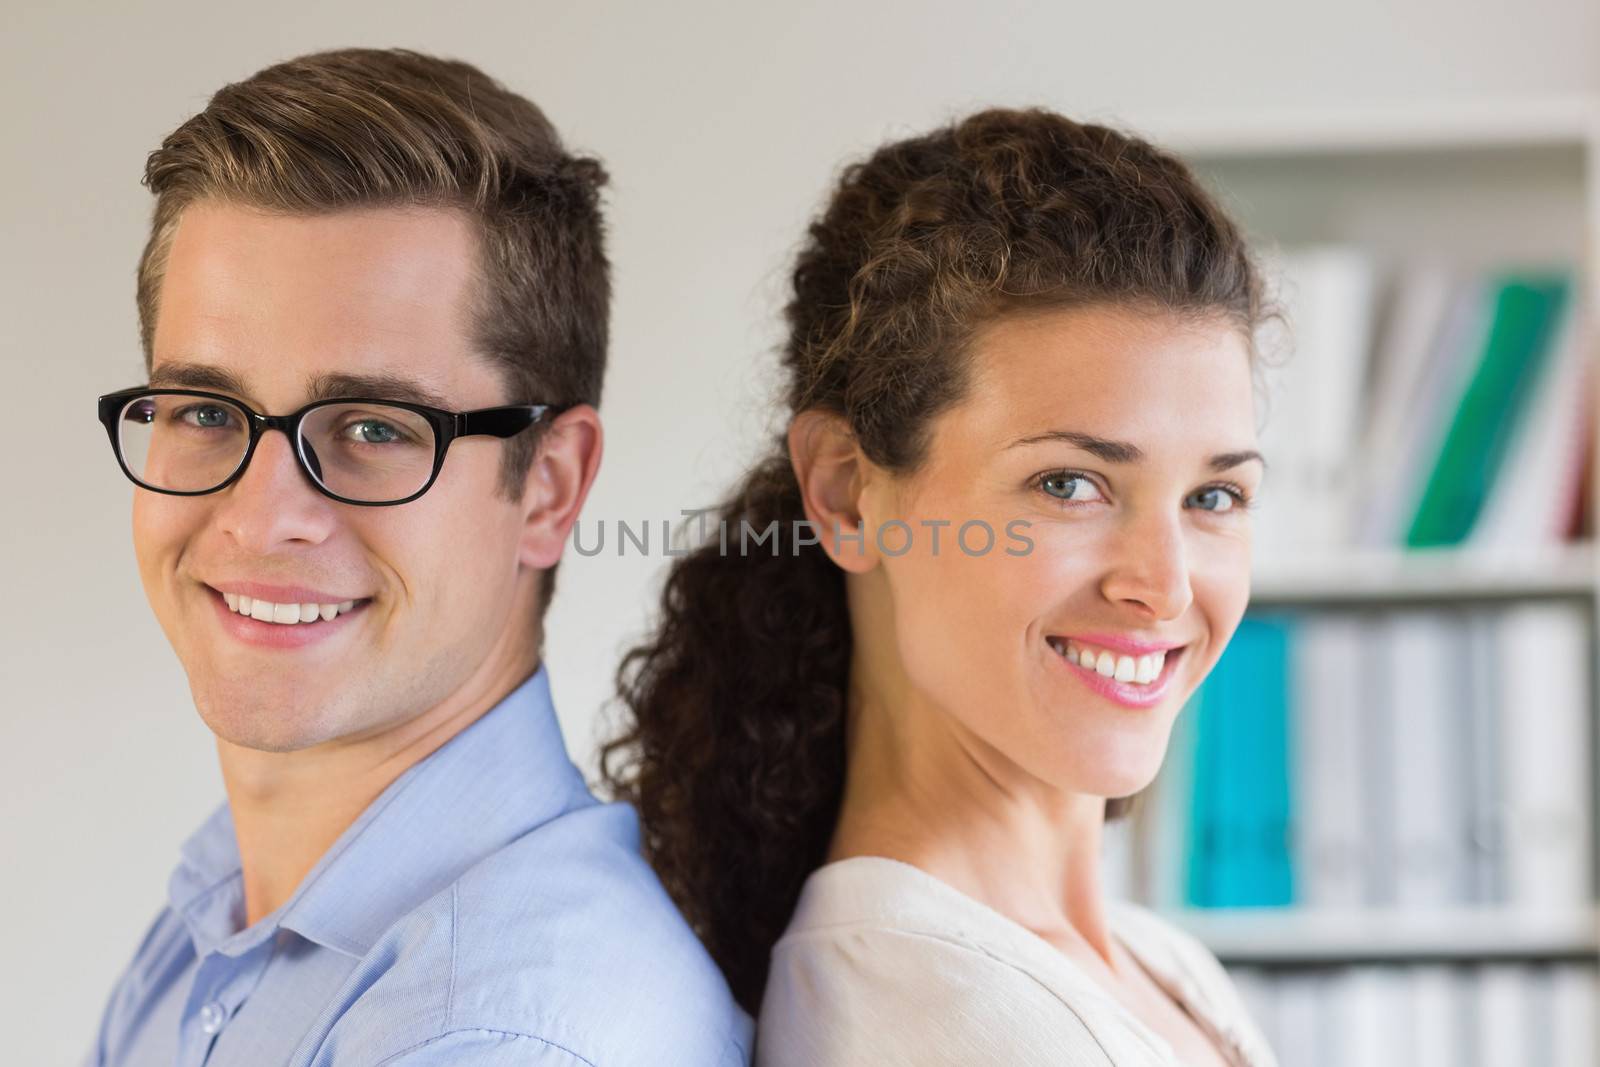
504,774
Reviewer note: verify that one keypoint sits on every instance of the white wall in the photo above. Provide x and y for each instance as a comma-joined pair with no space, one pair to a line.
722,126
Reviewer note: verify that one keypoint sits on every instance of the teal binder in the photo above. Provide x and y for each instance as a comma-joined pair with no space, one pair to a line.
1239,853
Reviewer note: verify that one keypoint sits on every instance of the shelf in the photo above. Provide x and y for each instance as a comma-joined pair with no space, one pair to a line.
1291,936
1442,125
1393,576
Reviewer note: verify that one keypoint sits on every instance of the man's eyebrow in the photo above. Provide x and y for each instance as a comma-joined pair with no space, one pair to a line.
197,376
1125,452
383,386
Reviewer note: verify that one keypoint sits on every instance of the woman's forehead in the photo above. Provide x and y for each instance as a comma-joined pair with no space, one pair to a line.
1111,374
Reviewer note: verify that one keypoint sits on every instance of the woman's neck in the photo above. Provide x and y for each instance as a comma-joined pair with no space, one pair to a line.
922,789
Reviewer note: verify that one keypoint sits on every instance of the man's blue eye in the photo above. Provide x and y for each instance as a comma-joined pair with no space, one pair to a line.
375,432
204,416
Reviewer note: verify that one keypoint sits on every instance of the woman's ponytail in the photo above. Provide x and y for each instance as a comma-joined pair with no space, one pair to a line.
736,756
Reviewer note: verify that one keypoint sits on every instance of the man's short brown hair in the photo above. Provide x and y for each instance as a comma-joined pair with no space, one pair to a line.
361,127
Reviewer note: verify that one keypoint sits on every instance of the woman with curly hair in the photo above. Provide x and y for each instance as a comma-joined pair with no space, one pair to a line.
1004,536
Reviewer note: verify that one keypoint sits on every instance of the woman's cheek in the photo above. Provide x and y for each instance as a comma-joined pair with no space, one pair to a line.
1221,577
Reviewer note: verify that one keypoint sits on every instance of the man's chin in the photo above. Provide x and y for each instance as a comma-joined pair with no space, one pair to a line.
275,724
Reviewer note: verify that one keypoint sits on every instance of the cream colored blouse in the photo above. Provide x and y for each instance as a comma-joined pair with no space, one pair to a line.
885,965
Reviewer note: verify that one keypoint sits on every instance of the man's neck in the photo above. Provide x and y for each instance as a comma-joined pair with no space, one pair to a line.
289,807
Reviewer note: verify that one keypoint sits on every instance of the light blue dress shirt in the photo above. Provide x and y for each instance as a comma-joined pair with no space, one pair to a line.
485,909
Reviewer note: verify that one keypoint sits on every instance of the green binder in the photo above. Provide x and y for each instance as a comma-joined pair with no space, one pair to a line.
1527,308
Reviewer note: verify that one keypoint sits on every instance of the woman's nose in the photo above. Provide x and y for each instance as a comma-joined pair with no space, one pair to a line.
1151,569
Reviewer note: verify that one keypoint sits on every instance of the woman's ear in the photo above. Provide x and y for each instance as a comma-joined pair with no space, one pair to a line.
558,482
832,474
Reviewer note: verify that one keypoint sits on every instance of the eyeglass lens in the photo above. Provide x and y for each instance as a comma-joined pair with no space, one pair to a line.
368,452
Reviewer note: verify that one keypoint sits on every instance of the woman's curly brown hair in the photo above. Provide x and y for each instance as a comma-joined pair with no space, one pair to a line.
735,753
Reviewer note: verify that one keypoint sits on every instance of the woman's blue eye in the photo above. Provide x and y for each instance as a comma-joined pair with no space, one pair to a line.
1063,485
1215,498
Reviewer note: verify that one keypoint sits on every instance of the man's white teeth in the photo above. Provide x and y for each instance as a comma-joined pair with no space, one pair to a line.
1140,670
285,614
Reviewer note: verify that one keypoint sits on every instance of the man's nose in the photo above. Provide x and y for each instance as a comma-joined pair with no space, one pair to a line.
273,501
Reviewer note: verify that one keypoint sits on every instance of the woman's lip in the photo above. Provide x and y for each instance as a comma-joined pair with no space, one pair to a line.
1126,693
1118,643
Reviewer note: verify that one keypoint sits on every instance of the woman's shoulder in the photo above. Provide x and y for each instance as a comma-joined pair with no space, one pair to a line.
1194,973
876,891
1160,942
874,920
884,963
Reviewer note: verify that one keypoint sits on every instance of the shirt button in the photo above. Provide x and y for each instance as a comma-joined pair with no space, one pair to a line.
212,1016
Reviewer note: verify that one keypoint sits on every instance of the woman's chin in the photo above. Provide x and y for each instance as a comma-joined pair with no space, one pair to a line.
1112,770
1122,785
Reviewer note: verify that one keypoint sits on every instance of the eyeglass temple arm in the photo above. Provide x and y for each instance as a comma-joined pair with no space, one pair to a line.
502,422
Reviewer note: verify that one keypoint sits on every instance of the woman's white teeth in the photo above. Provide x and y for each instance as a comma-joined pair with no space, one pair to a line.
1140,670
285,614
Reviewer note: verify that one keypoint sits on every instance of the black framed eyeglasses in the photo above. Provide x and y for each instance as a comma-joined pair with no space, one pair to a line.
357,450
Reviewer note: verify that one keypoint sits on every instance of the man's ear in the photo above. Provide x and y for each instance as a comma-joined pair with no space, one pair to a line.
558,482
833,475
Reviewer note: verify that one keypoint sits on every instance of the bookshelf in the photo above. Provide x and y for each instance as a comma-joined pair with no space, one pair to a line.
1414,127
1478,185
1257,937
1426,576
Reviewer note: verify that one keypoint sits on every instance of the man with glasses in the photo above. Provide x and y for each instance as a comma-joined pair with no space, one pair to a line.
373,310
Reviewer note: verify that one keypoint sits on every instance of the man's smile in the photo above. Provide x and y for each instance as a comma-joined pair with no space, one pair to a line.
291,624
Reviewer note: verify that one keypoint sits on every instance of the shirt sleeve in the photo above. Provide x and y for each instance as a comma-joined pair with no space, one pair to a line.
121,1004
484,1048
854,997
474,1047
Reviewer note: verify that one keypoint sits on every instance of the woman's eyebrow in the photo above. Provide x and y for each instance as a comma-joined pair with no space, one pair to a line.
1110,451
1127,452
1225,460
